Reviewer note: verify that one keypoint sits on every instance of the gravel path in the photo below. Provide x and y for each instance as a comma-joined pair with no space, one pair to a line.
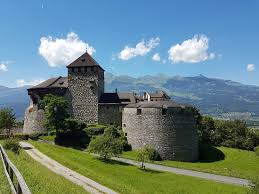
218,178
88,184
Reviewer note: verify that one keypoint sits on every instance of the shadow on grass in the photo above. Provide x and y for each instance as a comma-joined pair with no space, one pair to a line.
150,171
209,153
112,162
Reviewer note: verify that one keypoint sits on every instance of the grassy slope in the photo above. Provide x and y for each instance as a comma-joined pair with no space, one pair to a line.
40,179
4,185
237,163
130,179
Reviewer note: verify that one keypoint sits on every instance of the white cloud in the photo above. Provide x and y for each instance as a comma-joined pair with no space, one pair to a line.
250,67
22,82
58,51
3,67
141,49
156,57
191,51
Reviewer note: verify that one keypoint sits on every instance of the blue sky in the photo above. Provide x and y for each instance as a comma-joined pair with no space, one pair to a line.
214,38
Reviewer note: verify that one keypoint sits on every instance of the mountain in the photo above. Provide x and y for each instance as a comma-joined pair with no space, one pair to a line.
15,98
217,97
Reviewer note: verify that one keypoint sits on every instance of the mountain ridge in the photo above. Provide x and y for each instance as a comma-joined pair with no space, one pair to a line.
217,97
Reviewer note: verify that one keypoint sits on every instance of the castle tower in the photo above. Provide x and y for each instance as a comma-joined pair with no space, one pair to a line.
85,87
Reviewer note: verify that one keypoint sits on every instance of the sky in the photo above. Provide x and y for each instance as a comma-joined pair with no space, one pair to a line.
219,39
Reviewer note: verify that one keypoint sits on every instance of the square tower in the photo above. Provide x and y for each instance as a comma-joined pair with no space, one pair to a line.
85,87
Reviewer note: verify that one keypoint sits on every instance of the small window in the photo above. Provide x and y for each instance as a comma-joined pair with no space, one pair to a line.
79,69
111,123
124,125
138,111
164,111
107,107
73,70
91,69
125,134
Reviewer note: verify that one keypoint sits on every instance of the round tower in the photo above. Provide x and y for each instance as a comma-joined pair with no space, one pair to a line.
169,127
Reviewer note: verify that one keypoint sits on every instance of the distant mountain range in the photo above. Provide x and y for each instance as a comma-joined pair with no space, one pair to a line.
217,97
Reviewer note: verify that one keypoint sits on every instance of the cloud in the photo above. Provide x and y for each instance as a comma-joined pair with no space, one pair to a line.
141,49
156,57
3,67
22,82
250,67
58,51
191,51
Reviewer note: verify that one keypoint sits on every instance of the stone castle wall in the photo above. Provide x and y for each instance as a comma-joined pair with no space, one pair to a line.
110,114
33,120
173,134
85,88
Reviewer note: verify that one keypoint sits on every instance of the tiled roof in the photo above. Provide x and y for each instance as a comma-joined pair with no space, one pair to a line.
122,98
84,61
157,104
57,82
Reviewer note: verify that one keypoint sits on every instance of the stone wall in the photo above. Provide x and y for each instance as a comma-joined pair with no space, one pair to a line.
110,114
85,88
33,120
172,133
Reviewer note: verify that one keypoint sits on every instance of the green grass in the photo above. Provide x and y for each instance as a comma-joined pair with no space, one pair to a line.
4,185
48,137
237,163
40,179
127,179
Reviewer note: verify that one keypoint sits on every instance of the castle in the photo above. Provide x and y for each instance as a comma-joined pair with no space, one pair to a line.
151,119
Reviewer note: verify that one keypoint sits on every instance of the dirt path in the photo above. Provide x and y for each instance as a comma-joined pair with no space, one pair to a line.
88,184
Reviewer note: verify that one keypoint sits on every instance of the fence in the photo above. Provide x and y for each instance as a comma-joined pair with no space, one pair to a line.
13,174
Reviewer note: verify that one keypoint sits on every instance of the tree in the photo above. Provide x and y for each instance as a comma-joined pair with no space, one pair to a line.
147,153
7,119
108,144
206,129
56,112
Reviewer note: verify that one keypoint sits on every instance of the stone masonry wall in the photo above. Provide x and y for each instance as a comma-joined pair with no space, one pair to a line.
110,114
173,134
33,120
84,89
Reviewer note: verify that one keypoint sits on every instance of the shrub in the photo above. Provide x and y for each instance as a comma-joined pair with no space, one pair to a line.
35,136
257,150
13,145
73,125
75,139
93,130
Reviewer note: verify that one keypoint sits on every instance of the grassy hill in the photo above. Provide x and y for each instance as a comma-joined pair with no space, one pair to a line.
129,179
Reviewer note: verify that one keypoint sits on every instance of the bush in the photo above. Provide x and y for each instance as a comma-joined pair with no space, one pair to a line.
75,139
21,136
257,150
73,125
93,130
35,136
13,145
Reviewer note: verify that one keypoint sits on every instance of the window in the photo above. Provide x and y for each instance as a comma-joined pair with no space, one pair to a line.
124,125
111,123
138,111
125,134
164,111
79,69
